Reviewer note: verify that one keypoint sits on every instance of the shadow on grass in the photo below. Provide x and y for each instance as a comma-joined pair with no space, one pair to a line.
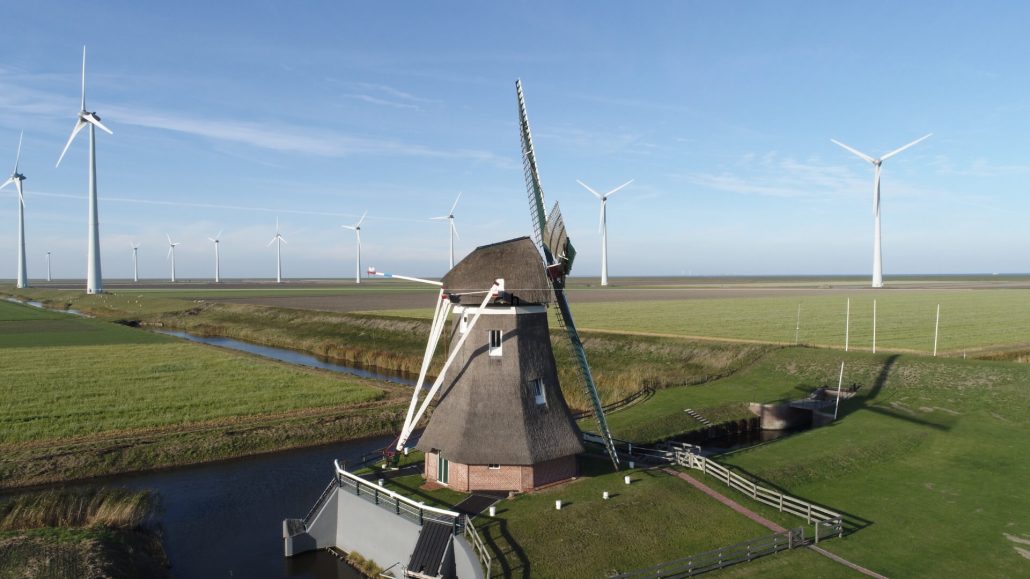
869,401
507,553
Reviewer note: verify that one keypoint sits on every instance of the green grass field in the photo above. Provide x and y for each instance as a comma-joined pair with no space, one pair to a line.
929,461
970,319
23,327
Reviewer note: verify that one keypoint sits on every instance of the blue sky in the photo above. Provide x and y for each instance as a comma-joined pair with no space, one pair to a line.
226,117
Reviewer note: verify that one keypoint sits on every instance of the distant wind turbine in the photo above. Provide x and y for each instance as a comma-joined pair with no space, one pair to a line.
48,276
216,240
16,178
356,228
135,261
171,254
877,253
278,240
449,218
94,278
603,225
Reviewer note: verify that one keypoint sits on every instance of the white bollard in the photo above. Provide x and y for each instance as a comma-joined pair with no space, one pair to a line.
632,464
405,451
493,511
627,479
605,495
557,505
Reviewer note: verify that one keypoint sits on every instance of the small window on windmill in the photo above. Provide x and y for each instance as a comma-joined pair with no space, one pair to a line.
495,343
464,325
494,466
540,396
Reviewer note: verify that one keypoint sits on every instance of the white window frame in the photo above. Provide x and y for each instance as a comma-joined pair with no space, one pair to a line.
539,391
493,467
464,325
491,349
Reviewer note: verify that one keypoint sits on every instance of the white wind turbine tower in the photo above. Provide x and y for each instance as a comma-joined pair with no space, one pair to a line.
94,279
877,254
278,240
216,240
171,253
603,225
16,178
135,261
48,276
356,228
453,230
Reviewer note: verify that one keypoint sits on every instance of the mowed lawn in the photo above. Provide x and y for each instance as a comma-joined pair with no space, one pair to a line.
971,319
73,377
930,461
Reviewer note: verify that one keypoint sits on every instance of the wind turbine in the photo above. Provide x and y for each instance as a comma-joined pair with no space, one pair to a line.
171,254
94,279
278,240
877,253
16,178
216,241
135,261
356,228
603,225
48,276
454,230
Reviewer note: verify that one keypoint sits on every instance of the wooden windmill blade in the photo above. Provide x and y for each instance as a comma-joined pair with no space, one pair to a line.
550,235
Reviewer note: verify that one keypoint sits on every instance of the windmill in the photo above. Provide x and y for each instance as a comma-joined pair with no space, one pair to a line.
356,228
877,163
216,240
171,254
453,231
94,278
603,225
135,261
278,241
16,178
550,236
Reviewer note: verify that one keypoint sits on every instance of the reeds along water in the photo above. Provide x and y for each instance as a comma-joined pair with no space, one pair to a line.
112,507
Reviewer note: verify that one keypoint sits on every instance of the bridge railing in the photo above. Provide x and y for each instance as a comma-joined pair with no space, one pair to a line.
401,505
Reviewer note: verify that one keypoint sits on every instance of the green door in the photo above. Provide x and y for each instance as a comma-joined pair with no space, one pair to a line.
442,469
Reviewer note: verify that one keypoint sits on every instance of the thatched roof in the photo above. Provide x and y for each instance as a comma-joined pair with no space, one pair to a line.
517,261
487,412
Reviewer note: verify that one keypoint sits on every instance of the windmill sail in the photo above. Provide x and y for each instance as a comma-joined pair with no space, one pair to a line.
549,233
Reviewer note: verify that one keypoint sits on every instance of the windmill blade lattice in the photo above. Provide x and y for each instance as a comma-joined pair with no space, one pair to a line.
549,233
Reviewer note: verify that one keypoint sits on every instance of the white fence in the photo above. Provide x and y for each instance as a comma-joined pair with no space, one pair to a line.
390,500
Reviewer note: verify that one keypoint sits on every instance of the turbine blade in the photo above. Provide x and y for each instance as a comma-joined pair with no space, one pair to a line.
455,204
75,131
441,218
21,196
587,187
600,217
352,228
283,239
83,77
170,247
269,244
93,119
617,189
212,239
454,228
856,152
6,183
17,160
900,149
876,193
169,237
362,220
219,235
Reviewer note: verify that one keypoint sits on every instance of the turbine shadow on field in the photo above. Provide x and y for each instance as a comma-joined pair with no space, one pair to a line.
869,402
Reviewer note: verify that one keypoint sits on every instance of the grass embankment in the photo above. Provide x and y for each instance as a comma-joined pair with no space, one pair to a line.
972,320
83,533
657,518
928,462
88,410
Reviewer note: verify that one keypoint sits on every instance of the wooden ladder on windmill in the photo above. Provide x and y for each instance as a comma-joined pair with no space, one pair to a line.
549,234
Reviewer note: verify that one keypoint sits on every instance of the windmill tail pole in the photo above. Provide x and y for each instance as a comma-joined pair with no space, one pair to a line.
443,307
372,271
410,426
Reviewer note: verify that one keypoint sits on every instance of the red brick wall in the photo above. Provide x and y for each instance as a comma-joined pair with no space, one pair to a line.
467,478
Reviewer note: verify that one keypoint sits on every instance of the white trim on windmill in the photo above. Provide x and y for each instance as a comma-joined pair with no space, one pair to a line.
603,225
16,178
453,230
171,253
135,261
278,240
94,277
356,228
877,163
216,240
